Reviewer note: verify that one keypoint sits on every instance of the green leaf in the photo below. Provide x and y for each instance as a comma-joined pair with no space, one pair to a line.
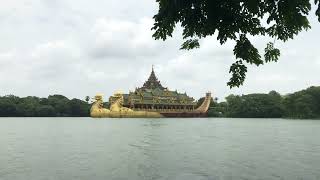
318,10
246,51
190,44
271,53
238,71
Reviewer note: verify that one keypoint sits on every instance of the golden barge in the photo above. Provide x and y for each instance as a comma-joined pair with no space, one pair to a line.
152,100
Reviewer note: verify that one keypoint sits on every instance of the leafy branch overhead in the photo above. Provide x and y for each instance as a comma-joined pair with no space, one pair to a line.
235,20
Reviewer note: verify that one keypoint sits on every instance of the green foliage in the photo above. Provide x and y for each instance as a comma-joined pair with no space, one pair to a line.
45,111
238,70
254,106
271,53
212,112
303,104
190,44
55,105
318,10
78,107
251,55
235,20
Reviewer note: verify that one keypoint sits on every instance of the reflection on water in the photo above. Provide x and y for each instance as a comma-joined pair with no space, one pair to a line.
138,149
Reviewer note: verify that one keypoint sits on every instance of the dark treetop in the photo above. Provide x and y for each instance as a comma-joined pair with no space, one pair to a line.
303,104
31,106
235,20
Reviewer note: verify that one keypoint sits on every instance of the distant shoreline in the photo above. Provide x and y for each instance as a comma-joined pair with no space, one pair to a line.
304,104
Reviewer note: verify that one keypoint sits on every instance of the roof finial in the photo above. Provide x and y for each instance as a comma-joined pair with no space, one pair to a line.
152,67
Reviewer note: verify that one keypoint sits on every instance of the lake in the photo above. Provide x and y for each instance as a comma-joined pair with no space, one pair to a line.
164,149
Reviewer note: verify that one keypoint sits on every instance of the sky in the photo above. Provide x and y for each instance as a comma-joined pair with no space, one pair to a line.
80,48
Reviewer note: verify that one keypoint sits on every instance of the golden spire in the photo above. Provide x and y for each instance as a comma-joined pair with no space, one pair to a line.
152,81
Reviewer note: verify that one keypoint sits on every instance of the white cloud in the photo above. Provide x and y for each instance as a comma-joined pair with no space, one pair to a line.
124,39
78,48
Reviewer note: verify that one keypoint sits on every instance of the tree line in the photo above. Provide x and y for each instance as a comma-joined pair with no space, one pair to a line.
53,106
303,104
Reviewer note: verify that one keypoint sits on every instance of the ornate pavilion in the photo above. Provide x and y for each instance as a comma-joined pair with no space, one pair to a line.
152,96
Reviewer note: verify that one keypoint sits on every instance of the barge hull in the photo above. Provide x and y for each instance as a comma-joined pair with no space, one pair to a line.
184,115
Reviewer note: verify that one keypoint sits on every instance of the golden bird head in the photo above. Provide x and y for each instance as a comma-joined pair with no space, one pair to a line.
118,94
98,96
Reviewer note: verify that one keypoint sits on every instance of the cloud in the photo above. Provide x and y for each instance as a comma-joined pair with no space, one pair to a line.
123,39
117,38
79,48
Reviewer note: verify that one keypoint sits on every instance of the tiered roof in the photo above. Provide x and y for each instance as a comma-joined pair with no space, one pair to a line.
152,92
152,82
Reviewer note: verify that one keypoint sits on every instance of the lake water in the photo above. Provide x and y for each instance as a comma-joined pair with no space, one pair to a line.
164,149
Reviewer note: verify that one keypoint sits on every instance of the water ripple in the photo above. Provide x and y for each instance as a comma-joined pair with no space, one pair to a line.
166,149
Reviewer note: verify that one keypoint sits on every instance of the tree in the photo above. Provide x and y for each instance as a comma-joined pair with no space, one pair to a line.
87,98
54,105
233,105
303,104
60,104
27,106
78,108
7,109
235,20
255,105
45,111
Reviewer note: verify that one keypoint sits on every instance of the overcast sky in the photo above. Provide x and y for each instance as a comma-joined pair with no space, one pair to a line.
79,48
